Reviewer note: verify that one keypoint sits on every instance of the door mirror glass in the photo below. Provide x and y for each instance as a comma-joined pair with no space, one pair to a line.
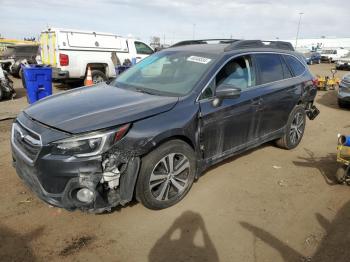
227,91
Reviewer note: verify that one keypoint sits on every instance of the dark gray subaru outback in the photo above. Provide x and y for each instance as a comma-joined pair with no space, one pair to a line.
159,125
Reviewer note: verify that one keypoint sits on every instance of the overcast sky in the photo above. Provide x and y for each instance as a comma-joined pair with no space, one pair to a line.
177,19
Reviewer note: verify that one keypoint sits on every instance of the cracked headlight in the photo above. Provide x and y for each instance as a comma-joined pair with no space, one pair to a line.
90,144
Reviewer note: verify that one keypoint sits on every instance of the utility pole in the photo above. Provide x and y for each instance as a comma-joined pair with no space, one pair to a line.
296,39
194,31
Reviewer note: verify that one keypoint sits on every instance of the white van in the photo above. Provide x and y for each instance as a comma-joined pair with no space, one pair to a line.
332,55
70,52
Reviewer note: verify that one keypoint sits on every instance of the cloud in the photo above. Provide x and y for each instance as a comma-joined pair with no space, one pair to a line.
177,19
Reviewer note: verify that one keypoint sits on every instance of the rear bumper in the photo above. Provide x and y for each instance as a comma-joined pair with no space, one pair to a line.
58,74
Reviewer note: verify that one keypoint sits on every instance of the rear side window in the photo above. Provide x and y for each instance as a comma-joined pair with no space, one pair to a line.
270,67
297,67
286,71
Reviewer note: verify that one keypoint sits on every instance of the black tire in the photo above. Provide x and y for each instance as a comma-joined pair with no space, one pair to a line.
292,137
1,93
162,192
98,76
341,104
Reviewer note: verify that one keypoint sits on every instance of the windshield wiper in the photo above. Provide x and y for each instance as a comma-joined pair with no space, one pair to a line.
144,91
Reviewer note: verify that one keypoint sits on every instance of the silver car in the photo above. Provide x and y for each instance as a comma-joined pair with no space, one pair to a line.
344,91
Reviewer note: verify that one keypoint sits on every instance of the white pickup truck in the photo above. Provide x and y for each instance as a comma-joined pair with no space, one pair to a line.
70,52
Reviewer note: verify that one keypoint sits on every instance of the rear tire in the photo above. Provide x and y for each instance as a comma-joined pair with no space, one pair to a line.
98,76
166,175
294,129
341,175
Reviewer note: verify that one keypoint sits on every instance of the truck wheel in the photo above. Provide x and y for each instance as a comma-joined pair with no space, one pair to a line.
294,129
166,175
98,76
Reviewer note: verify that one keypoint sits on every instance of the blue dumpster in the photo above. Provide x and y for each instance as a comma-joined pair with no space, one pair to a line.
37,81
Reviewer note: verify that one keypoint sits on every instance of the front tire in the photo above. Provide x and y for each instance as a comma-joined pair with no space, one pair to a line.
166,175
294,129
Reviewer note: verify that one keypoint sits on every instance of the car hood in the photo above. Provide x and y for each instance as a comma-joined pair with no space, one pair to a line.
101,106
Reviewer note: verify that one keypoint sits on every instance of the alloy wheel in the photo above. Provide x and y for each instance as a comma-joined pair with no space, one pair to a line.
296,128
170,177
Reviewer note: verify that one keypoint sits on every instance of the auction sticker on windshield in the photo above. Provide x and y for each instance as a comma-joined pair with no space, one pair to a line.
198,59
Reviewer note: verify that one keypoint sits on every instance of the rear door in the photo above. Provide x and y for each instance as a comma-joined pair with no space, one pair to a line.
278,90
228,127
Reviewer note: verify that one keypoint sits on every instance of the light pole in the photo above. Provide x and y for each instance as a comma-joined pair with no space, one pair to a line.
296,39
194,31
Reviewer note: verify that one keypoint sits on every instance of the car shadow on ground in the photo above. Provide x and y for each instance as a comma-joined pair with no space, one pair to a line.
329,98
15,246
327,165
68,85
178,242
334,246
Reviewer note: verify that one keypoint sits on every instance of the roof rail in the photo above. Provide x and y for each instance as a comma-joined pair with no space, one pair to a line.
203,41
243,44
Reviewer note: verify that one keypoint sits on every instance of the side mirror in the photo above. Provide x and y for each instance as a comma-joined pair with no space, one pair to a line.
227,91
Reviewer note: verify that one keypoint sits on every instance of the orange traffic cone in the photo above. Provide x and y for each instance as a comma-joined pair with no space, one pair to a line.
88,79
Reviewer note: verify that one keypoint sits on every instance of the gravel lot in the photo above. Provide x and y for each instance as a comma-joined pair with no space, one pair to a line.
267,204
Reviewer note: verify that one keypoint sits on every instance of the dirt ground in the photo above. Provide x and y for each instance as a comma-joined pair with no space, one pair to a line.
265,205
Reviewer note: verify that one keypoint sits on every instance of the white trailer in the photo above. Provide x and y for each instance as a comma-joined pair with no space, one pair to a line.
70,52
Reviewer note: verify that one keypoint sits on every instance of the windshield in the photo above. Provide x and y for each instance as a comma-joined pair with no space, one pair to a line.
166,73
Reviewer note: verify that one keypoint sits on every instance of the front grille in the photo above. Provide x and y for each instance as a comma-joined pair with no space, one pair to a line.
26,140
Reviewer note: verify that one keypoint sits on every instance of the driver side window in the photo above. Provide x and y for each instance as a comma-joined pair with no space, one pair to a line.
239,73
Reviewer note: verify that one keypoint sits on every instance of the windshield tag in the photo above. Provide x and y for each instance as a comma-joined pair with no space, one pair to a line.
198,59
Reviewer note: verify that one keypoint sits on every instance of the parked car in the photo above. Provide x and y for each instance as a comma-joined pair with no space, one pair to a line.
344,91
162,123
343,63
70,52
312,58
332,55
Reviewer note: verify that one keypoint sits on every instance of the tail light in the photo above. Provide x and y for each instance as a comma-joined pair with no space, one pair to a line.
64,60
315,81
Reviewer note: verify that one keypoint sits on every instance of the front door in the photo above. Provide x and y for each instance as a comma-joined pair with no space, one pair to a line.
228,126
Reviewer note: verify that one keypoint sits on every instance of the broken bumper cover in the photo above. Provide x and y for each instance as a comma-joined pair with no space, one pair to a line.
103,200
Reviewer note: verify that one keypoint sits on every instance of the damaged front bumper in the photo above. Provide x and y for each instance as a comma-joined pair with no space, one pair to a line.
109,179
